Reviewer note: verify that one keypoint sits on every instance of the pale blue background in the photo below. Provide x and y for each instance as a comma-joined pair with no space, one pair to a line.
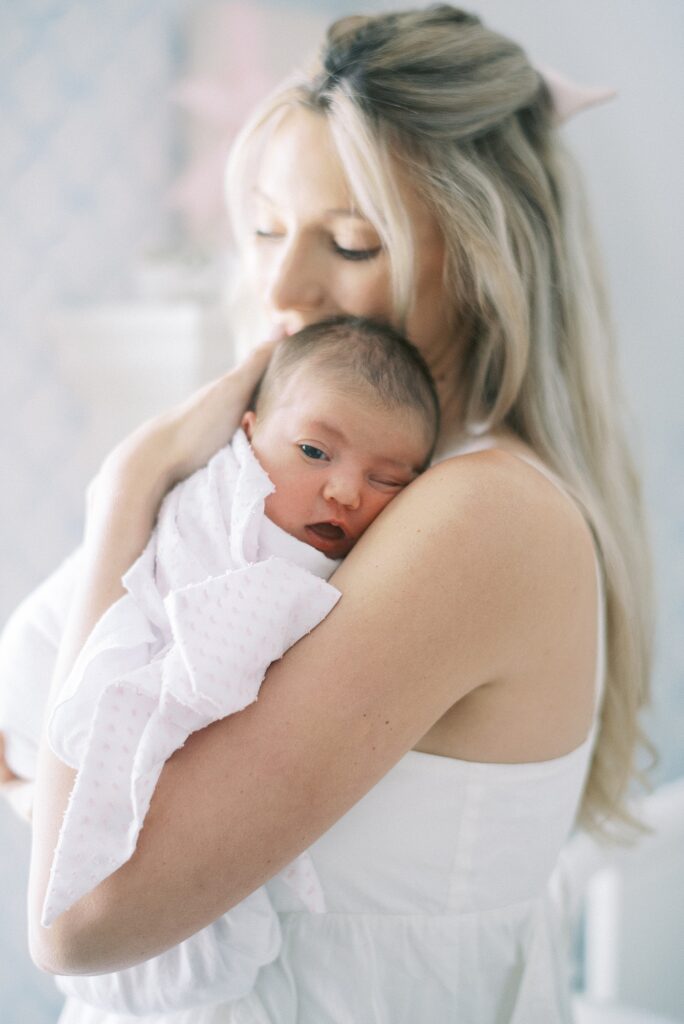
86,152
88,146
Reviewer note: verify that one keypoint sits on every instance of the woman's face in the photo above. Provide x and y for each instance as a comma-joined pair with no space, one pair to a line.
312,255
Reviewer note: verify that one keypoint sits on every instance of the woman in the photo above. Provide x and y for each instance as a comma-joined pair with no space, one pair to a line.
434,739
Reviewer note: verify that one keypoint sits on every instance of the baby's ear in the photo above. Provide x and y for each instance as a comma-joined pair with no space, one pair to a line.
247,423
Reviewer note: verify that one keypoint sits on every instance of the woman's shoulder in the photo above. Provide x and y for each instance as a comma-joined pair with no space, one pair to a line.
490,525
514,553
506,497
502,527
486,569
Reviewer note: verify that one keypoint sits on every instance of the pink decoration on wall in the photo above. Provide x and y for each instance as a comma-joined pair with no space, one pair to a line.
218,100
570,98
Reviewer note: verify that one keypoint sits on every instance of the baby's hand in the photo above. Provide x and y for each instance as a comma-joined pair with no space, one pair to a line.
18,792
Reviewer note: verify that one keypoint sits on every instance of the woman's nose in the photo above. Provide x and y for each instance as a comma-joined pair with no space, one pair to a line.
344,488
295,281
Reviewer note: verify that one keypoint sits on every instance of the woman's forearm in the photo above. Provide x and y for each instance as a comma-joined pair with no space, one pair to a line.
122,505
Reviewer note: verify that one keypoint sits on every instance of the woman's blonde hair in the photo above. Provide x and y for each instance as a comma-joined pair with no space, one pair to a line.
459,111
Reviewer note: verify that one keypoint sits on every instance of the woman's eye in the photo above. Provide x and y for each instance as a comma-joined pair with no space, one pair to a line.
312,452
356,254
262,233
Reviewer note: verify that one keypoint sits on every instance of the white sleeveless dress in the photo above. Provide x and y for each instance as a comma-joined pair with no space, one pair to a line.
437,887
438,901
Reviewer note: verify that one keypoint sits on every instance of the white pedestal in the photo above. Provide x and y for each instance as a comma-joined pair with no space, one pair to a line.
127,362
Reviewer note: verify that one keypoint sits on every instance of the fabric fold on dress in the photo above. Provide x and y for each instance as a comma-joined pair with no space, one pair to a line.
216,596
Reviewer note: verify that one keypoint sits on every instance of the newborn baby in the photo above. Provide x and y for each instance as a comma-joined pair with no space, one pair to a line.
342,422
234,573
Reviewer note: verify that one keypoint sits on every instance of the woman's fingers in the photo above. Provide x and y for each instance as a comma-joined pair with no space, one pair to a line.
173,445
258,359
207,420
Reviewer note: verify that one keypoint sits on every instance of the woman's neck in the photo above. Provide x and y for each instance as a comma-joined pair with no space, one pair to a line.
452,406
447,365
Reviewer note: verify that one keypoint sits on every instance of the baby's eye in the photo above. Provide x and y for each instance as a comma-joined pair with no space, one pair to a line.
312,452
387,484
264,233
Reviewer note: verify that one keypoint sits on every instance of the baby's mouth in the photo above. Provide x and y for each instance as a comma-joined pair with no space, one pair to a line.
329,531
330,538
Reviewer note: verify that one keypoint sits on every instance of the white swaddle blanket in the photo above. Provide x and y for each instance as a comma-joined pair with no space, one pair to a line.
218,594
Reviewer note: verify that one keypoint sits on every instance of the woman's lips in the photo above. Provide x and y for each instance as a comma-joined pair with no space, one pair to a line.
277,333
280,331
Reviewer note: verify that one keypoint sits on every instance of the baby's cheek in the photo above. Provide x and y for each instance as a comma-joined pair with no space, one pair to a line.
379,504
284,509
276,509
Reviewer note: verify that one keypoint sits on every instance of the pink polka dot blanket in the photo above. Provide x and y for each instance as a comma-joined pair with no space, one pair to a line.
218,594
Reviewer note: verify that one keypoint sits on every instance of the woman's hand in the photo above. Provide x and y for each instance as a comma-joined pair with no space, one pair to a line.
172,445
207,420
124,498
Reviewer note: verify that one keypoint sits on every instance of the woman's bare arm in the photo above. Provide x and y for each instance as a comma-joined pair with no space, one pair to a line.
411,635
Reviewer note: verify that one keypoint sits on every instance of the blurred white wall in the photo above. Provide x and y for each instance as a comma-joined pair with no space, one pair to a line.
86,155
87,151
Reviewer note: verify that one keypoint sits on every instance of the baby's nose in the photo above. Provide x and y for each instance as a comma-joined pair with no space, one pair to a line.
344,488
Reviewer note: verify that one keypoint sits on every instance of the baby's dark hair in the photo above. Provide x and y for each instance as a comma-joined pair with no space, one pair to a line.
358,349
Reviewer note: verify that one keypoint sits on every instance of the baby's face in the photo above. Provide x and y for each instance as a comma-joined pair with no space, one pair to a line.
336,459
